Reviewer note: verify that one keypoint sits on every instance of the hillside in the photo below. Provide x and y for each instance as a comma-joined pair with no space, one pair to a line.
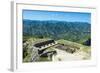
73,31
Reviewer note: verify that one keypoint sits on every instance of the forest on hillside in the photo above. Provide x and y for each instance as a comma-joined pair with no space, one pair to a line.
79,32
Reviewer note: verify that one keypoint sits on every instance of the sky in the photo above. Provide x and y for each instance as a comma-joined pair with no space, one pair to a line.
55,15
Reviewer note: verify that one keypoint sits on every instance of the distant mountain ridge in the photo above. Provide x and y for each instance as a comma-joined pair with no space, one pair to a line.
52,21
74,31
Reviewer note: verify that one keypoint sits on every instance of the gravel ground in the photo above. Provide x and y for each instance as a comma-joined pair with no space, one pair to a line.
65,56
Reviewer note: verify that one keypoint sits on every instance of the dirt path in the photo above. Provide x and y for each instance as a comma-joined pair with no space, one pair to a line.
65,56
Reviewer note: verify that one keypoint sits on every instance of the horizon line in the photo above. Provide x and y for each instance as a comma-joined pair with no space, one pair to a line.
56,20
